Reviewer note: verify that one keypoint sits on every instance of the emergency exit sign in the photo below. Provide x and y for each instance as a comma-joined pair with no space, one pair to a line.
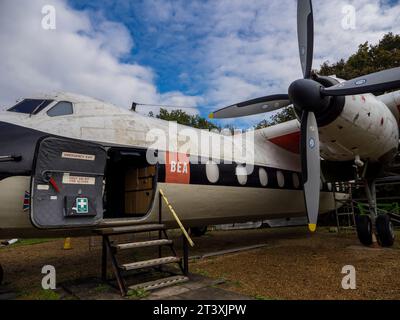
82,205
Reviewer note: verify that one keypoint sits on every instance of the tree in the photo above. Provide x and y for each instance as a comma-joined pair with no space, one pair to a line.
186,119
368,59
284,115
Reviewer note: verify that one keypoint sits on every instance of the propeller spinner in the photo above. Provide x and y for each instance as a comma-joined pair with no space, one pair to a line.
309,97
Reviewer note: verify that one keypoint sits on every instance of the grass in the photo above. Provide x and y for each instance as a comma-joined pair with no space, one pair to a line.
260,297
236,283
31,242
202,272
137,294
40,295
102,288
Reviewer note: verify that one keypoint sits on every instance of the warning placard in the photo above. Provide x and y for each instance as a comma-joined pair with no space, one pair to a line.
78,156
68,179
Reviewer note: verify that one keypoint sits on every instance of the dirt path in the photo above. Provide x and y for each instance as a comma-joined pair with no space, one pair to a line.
294,265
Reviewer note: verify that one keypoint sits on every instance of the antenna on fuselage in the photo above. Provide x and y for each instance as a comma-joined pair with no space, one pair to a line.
135,105
161,106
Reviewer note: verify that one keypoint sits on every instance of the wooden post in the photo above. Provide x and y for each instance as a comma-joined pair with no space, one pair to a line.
1,274
104,260
92,243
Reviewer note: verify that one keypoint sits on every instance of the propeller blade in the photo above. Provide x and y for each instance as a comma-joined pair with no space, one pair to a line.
305,34
374,82
252,107
311,166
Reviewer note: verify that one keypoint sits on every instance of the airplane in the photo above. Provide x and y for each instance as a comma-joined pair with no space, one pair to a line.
70,164
343,123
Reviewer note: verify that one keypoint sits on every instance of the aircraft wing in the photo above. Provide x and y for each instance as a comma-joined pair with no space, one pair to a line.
285,135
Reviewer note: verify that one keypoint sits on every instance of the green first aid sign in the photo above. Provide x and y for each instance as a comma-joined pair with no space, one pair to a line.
82,205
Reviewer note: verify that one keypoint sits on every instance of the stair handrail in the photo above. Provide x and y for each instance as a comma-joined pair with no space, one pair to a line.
175,215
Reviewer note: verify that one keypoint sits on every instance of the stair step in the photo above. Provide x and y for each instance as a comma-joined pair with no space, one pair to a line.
130,229
161,283
143,244
149,263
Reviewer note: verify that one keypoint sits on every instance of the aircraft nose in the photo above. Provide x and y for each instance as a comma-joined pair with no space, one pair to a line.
17,149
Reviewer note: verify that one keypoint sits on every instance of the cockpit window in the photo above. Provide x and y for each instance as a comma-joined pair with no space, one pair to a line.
62,108
30,106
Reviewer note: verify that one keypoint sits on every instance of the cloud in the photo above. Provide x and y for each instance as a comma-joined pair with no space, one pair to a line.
205,53
86,54
248,49
256,42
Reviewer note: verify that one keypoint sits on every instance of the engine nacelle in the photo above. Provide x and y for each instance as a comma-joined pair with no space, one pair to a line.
366,127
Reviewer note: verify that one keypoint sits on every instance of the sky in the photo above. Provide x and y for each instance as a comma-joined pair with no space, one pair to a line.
201,54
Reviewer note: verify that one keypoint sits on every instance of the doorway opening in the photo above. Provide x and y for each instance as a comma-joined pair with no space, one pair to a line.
130,184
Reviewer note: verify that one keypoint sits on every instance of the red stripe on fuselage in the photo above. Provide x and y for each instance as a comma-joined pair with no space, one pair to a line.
289,142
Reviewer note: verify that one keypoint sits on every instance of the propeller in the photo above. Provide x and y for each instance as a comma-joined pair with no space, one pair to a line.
311,166
310,98
379,81
252,107
305,35
309,136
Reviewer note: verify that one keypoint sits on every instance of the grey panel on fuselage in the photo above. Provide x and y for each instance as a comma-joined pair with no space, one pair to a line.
77,169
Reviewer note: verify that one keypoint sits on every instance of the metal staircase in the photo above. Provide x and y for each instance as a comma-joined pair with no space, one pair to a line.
388,200
357,202
344,207
112,248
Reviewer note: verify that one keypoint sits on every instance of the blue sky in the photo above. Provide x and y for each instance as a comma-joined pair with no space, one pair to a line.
157,43
206,54
170,37
167,41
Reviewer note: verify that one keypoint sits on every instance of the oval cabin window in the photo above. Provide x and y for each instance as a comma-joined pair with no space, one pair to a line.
263,175
241,173
296,181
212,172
281,179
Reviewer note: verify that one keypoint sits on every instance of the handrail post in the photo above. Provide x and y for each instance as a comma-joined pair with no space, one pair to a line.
159,208
176,218
160,222
185,236
185,256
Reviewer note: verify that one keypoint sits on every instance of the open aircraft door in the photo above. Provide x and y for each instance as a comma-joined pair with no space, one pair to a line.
67,184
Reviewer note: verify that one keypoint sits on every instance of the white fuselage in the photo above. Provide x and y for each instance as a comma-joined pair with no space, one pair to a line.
359,130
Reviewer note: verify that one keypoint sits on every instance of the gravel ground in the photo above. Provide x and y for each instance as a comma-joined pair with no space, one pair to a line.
309,267
293,265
